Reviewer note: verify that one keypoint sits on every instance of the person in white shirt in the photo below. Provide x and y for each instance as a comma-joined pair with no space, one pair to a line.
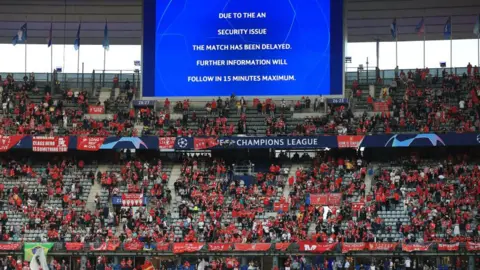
321,104
347,265
408,263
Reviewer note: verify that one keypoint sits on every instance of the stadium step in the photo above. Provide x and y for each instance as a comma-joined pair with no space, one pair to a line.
369,178
96,189
286,190
104,96
174,175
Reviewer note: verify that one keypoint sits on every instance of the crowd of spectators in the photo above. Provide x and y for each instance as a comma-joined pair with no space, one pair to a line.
438,198
441,199
417,101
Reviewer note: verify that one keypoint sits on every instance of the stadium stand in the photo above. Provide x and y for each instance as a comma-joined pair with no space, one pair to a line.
416,101
337,201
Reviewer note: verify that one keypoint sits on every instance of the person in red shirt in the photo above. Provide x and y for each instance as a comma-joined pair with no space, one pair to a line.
166,105
115,81
370,100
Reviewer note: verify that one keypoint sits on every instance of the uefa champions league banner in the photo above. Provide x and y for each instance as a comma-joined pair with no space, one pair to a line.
421,140
93,143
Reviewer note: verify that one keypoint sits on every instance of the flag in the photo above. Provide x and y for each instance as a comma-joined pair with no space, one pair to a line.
393,29
106,42
50,35
39,261
76,43
447,29
420,28
21,35
476,29
30,249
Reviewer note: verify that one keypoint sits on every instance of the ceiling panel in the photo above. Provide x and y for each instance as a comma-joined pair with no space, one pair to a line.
367,20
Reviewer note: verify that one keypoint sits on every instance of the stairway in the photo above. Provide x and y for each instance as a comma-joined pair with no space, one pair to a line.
176,200
174,175
311,229
369,179
293,170
95,189
104,94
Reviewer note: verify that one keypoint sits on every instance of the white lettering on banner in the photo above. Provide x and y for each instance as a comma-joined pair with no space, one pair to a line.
302,142
310,247
49,149
276,78
231,32
200,78
276,142
242,47
49,144
243,62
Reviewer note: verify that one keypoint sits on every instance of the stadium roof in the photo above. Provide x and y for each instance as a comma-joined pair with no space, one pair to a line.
368,20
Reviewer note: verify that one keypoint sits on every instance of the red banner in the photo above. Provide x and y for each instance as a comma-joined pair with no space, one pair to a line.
379,246
110,246
334,199
204,143
311,246
319,199
96,109
253,247
348,247
163,246
166,142
346,141
415,247
10,246
357,205
133,245
50,144
280,206
89,143
380,107
243,213
74,246
282,246
448,247
7,142
471,246
187,247
219,247
132,199
331,199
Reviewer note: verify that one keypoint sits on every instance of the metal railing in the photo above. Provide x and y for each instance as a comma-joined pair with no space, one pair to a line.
370,76
104,78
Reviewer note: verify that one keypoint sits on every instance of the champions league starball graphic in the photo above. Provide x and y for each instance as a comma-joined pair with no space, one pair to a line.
414,140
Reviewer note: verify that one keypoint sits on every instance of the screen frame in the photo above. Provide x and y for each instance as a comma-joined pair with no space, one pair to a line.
338,38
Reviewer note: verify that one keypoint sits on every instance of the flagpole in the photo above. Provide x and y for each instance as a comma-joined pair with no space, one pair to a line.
451,45
78,64
51,58
26,57
51,45
78,55
424,40
105,44
26,41
104,63
396,47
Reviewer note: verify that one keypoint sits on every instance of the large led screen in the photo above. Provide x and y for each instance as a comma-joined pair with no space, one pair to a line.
247,47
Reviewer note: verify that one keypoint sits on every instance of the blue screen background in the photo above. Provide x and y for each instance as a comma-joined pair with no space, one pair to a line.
304,24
